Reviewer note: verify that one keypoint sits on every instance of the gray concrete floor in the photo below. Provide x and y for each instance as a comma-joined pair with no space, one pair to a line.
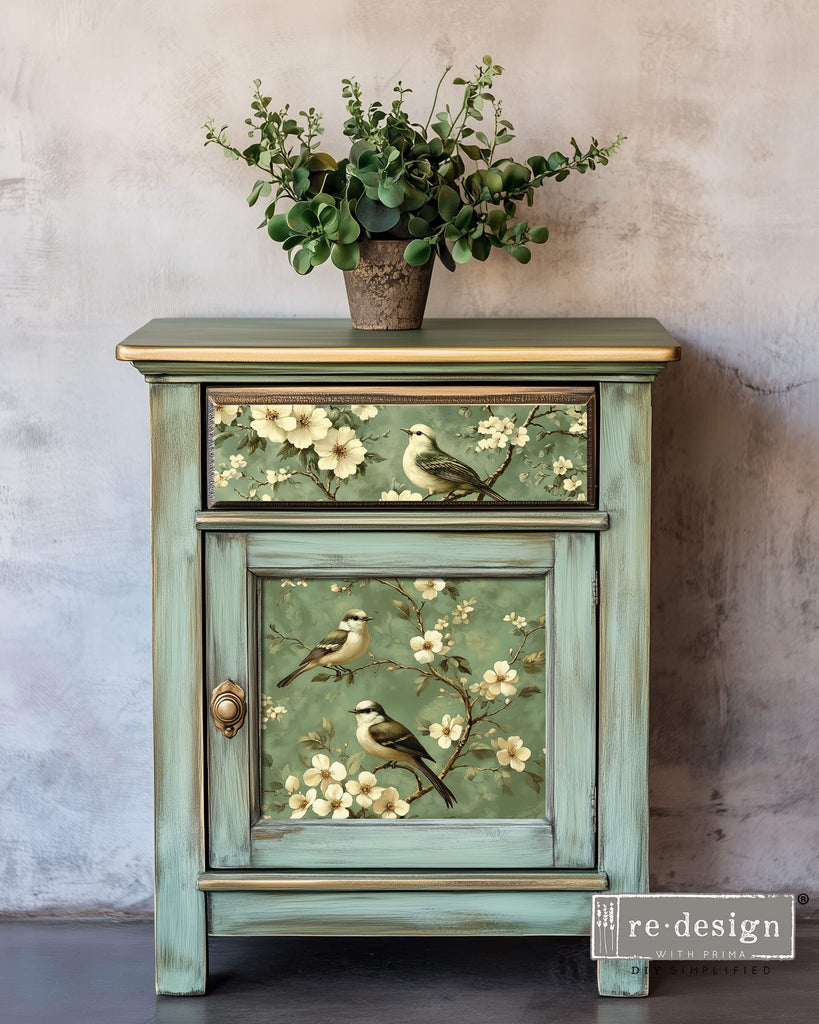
102,973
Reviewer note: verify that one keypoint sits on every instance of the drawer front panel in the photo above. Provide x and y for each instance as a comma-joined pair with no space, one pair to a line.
533,447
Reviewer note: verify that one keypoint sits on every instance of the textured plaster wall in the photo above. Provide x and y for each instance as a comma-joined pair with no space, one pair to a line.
111,213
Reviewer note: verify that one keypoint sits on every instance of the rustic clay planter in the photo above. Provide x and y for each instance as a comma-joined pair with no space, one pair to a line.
385,293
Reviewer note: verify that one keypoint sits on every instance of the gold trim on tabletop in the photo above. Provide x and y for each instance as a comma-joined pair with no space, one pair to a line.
415,354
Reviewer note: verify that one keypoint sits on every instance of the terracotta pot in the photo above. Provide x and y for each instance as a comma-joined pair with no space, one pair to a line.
385,293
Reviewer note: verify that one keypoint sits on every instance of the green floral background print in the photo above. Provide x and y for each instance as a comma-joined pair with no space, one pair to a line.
279,448
460,662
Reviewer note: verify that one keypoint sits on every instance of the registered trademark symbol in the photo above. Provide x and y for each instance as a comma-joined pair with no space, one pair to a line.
802,898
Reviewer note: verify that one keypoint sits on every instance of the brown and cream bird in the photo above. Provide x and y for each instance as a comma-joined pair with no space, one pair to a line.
384,738
340,647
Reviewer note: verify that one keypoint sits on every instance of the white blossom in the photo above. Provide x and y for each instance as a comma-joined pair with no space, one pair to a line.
225,413
580,426
429,589
311,424
365,790
238,461
500,680
560,467
463,610
272,421
335,800
512,753
221,478
427,646
516,620
520,437
323,773
572,483
291,783
390,805
364,412
405,495
447,731
299,802
341,451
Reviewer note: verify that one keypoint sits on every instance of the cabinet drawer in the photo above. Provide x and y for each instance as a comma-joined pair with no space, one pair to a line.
303,447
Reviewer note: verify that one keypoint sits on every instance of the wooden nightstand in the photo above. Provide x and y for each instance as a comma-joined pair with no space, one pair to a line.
445,529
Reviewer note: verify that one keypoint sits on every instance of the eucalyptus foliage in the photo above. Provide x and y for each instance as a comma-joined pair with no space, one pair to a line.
442,185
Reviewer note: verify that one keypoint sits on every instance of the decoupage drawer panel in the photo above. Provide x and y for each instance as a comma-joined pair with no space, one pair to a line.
297,446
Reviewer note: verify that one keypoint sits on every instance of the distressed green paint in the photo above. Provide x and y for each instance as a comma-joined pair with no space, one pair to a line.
625,436
402,845
349,450
575,699
326,553
400,913
181,950
282,545
228,758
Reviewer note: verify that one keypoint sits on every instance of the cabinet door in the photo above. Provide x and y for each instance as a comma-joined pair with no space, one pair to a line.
481,644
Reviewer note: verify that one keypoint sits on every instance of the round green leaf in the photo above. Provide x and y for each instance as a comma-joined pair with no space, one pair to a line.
301,218
277,227
301,180
465,217
418,252
520,252
375,216
321,252
449,202
391,193
348,229
481,248
345,257
539,235
461,252
418,227
302,261
538,164
515,176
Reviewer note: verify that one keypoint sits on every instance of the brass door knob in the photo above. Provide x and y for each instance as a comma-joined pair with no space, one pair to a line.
228,708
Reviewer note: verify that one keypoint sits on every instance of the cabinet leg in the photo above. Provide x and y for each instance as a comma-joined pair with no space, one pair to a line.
181,945
622,977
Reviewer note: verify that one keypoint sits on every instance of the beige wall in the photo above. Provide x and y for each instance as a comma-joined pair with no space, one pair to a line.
111,213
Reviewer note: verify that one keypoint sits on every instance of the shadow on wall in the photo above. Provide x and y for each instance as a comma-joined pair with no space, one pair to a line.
735,624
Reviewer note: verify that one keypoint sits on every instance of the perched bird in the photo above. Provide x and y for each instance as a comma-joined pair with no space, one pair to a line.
343,645
383,737
437,472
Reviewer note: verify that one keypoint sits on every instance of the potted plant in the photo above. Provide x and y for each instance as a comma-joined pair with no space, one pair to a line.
404,194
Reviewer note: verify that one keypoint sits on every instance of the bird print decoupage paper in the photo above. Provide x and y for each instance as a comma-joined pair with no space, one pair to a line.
532,448
399,678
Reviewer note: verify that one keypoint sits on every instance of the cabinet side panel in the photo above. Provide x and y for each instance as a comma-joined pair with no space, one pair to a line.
180,927
625,436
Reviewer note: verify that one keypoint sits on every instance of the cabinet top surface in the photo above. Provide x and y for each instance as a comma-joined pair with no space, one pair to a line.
254,341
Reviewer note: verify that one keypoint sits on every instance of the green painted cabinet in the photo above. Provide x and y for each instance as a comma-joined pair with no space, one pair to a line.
400,627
